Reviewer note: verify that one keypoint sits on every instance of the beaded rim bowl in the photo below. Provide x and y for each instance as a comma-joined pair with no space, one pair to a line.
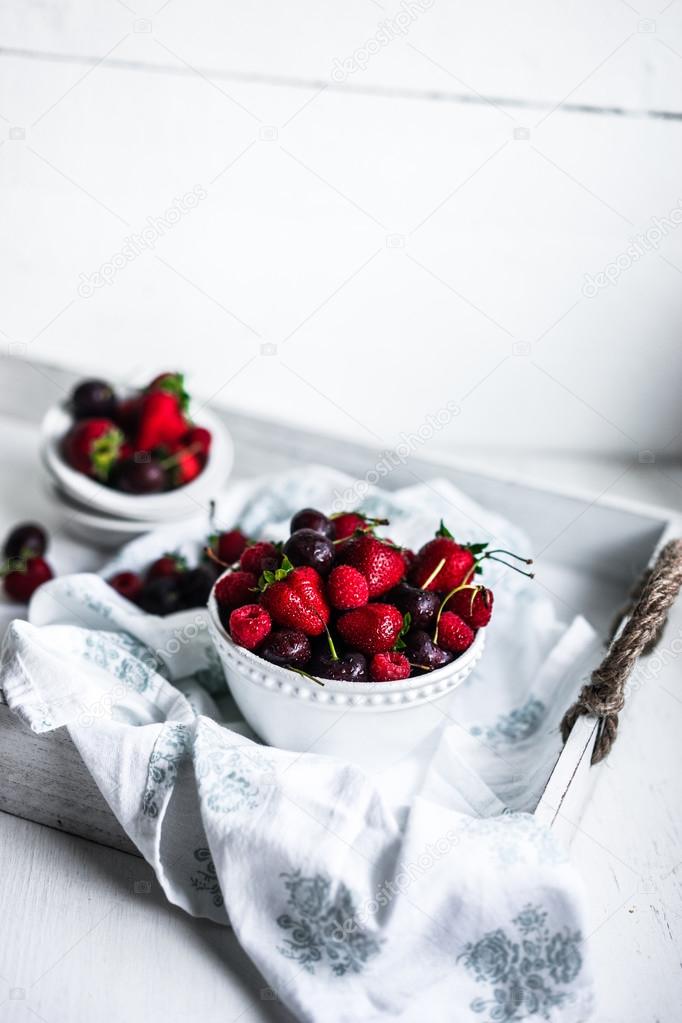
244,666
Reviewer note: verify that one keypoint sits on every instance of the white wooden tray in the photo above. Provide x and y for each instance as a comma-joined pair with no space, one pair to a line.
589,555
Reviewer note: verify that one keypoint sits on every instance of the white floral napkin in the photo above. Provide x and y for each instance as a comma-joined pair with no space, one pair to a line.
424,891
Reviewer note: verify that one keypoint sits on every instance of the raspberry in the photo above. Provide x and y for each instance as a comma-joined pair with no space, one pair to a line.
259,557
453,633
234,589
249,625
389,667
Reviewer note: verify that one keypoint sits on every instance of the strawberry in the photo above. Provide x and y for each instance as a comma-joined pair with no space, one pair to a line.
473,604
249,625
259,557
128,584
373,629
345,524
453,633
381,564
389,667
347,588
171,383
229,546
162,423
24,576
295,599
235,589
459,562
92,446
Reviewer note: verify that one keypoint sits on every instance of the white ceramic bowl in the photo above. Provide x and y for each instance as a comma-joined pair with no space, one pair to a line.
151,508
104,531
372,724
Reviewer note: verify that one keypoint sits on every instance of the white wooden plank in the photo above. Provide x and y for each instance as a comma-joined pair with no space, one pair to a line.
88,934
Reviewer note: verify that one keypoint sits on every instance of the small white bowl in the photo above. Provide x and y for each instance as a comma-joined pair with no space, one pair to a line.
151,508
372,724
103,531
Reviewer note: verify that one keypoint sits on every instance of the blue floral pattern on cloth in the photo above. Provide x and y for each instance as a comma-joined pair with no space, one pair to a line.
520,723
323,926
523,971
172,745
206,878
123,656
516,838
231,778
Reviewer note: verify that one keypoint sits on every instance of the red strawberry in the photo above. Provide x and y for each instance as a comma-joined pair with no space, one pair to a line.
346,523
389,667
347,588
382,565
259,557
168,565
24,577
474,605
92,446
162,423
249,625
235,589
373,629
297,601
171,383
453,633
409,557
229,546
128,584
459,563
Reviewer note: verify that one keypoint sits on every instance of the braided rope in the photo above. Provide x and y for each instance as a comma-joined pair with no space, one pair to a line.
604,695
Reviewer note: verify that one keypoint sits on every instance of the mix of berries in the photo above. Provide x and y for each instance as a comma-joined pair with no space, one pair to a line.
140,444
24,567
336,601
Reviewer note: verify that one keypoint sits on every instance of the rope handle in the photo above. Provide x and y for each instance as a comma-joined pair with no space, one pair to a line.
604,695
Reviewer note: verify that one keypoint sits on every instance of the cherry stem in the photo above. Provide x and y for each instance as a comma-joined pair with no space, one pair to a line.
211,515
212,556
300,671
433,574
332,648
529,575
174,459
510,554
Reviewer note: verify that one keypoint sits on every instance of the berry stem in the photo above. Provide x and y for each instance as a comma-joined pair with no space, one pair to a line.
173,460
433,574
300,671
330,641
529,575
212,556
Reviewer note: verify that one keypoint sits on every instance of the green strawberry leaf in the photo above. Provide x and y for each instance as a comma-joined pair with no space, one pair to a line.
174,383
444,531
405,628
476,548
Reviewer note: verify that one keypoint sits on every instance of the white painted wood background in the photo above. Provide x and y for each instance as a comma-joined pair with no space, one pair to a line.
415,234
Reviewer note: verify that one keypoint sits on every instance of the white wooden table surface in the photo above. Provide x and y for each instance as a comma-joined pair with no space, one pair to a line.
85,932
